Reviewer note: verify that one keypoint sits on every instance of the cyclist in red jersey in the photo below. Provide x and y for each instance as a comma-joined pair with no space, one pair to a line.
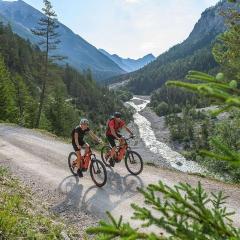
113,127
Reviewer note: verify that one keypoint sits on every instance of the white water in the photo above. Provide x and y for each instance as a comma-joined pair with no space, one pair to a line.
157,147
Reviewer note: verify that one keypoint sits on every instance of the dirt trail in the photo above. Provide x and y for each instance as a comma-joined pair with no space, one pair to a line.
41,162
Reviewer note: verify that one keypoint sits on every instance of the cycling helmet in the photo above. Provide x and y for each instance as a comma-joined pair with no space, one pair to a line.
84,121
117,114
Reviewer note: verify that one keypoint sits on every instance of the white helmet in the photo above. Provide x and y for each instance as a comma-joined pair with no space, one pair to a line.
84,121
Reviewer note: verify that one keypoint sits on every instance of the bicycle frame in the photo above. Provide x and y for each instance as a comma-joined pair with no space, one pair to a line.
87,159
122,149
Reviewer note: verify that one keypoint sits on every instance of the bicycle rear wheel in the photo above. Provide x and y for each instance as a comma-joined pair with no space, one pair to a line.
105,155
71,158
133,162
98,172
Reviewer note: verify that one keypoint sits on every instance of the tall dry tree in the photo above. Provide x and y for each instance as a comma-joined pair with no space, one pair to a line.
49,39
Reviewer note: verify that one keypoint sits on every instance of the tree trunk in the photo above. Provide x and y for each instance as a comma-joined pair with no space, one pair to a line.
44,81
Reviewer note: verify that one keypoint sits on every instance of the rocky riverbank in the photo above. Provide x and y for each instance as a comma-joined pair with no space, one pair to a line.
155,145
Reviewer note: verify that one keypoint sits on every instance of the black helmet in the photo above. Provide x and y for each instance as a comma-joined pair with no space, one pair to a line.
117,114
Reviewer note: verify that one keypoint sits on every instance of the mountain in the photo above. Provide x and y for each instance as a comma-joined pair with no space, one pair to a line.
81,55
128,64
69,94
193,53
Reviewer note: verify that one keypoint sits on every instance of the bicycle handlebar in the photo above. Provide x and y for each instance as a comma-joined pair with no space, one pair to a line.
131,137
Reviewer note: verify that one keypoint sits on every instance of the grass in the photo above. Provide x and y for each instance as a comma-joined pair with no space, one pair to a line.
21,217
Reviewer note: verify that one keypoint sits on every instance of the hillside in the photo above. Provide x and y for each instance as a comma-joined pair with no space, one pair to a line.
128,64
193,53
69,94
81,55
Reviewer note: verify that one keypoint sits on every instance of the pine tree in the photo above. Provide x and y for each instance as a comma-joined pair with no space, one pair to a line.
49,41
224,92
226,95
62,115
227,49
7,95
25,103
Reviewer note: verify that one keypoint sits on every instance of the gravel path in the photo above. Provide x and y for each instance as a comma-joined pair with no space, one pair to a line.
41,163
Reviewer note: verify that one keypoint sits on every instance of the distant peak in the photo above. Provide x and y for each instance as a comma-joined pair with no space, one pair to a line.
150,55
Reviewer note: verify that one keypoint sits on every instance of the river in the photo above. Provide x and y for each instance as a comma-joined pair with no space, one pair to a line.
160,149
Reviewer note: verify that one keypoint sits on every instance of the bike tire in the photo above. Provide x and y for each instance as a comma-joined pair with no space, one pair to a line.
133,155
70,162
92,172
103,151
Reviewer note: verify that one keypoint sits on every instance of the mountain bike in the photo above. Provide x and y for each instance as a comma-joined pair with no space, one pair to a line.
98,171
133,160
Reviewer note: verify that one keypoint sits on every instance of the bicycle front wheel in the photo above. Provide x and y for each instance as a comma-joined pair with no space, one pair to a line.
133,162
98,172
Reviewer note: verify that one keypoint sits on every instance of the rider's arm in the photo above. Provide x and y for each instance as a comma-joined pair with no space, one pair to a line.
94,136
127,129
113,132
76,140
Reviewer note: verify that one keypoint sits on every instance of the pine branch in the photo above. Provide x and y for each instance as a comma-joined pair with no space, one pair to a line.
184,213
118,229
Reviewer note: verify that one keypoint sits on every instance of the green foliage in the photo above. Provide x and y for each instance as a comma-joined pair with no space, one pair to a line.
189,127
227,49
210,86
224,145
162,109
25,103
219,89
123,94
157,73
78,93
7,96
19,216
62,115
183,212
176,99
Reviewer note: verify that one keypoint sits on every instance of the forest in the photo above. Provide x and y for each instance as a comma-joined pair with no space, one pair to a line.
69,94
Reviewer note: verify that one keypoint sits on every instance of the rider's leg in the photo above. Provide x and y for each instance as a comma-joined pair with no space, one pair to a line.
79,163
78,153
79,159
113,152
86,156
87,148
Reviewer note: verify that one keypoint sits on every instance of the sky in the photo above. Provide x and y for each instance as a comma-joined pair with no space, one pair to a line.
130,28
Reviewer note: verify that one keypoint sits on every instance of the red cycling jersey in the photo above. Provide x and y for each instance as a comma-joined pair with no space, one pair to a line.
116,125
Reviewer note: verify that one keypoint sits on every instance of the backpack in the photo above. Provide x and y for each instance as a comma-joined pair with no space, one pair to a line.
107,123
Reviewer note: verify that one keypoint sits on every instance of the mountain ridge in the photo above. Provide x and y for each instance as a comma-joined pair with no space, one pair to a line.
129,64
81,54
179,59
